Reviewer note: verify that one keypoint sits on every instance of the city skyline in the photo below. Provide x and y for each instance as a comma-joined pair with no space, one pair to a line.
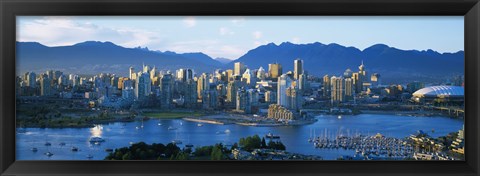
214,35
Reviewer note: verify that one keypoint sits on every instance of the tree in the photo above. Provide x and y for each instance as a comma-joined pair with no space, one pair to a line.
217,153
264,144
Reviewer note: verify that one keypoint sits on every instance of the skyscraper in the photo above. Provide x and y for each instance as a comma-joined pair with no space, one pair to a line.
261,75
326,86
143,86
297,68
274,70
349,89
202,84
284,82
45,89
31,79
132,74
239,68
166,91
338,89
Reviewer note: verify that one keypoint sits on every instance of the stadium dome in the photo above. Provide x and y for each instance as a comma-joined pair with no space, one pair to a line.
440,91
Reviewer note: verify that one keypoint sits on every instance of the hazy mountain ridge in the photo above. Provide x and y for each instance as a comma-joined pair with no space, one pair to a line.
333,59
320,59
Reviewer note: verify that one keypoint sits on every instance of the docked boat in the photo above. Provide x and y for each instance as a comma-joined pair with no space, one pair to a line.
96,140
172,128
62,144
199,125
177,141
189,145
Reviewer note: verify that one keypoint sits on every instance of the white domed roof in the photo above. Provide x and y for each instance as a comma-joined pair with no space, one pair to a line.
440,91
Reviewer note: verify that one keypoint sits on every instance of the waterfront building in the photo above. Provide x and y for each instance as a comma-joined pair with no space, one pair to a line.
190,94
337,89
444,95
302,82
284,82
297,68
274,71
238,68
143,86
210,97
128,93
279,112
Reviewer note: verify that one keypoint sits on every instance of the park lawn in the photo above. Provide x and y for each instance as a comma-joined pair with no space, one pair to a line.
172,115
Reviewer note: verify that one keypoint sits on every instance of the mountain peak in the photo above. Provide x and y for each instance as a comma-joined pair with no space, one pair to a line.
95,43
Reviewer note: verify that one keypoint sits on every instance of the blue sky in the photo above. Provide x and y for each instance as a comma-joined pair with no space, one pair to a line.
232,36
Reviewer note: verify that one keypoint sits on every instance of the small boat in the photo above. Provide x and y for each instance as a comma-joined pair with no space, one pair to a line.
62,144
177,141
227,131
89,156
49,154
159,124
34,149
48,144
172,128
199,125
181,123
96,140
74,149
271,136
339,117
109,150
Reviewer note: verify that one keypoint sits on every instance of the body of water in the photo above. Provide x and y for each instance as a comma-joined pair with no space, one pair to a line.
295,138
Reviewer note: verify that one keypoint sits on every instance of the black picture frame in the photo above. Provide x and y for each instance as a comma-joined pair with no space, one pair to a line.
9,9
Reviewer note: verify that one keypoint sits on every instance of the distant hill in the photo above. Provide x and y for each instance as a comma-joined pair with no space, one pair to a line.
223,60
93,57
333,59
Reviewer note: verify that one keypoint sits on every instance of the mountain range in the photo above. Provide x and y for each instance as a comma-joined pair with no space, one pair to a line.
93,57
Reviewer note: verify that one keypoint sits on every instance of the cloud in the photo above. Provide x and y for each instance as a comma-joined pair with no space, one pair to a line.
238,21
296,40
259,43
189,22
257,34
225,31
213,48
61,31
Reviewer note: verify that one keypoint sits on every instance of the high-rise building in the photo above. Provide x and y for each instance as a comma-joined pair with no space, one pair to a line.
297,68
294,98
284,82
143,86
261,75
166,91
202,84
249,78
326,86
348,73
337,90
31,79
375,80
232,88
274,71
45,89
190,93
360,78
132,74
239,68
349,89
